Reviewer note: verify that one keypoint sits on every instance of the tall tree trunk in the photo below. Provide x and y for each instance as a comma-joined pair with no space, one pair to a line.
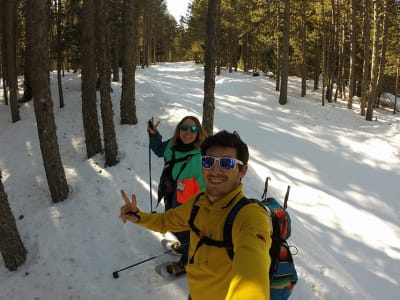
245,52
44,104
3,63
324,53
127,104
27,55
340,76
342,51
209,68
3,58
303,50
317,68
353,45
104,67
11,247
397,85
278,47
367,57
116,39
115,57
89,78
59,53
285,55
218,42
383,38
373,84
145,35
11,55
332,52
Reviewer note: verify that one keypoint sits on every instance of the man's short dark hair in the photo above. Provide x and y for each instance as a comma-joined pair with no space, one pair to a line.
227,139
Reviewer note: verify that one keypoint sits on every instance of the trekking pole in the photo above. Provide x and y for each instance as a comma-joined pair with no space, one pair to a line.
286,197
151,189
150,124
264,195
116,273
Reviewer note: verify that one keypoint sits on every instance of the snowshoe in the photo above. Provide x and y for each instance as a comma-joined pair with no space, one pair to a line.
176,268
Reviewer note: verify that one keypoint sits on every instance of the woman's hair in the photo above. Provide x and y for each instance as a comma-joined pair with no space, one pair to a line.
227,139
201,133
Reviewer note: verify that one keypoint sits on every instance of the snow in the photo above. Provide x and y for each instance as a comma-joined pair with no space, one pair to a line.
343,172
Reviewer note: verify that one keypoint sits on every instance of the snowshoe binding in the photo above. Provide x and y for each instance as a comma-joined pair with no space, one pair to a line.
172,244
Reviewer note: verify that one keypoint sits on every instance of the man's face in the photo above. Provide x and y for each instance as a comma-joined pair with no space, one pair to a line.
220,182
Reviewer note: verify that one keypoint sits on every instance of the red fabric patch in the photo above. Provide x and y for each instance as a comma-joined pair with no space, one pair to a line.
186,188
259,236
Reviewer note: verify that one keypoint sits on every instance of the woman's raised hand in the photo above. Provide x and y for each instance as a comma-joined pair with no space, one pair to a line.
151,127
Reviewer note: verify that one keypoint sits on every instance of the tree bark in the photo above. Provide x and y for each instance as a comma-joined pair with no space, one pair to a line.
145,35
383,45
11,247
353,45
209,68
303,50
324,54
367,57
3,64
89,78
332,52
10,41
373,84
28,54
43,104
59,54
278,47
104,69
285,55
396,86
128,101
116,41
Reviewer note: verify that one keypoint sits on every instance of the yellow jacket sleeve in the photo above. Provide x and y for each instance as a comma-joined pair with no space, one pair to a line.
173,220
250,267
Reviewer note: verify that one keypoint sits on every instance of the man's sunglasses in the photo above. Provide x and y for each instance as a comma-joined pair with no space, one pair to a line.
184,127
225,163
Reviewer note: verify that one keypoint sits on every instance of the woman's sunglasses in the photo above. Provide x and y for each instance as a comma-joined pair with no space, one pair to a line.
184,127
225,163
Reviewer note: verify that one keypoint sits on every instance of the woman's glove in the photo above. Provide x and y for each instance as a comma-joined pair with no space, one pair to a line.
151,127
129,210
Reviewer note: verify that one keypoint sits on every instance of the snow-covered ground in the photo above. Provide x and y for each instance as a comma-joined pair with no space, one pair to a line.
344,174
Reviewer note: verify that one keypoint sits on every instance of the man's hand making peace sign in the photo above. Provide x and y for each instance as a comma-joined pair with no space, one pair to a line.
129,210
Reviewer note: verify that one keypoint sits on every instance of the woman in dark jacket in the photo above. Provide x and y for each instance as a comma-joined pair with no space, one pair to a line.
182,174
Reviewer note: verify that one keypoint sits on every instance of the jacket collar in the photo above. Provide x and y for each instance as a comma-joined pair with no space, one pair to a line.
224,202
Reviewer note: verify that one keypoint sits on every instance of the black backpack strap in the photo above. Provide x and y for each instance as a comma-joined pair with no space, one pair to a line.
193,214
174,160
229,224
227,230
203,239
186,160
170,164
275,246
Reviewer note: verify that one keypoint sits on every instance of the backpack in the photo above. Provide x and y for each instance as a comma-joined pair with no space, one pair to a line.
282,272
167,185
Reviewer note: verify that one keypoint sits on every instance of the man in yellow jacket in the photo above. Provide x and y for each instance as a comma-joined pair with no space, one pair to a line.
211,273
